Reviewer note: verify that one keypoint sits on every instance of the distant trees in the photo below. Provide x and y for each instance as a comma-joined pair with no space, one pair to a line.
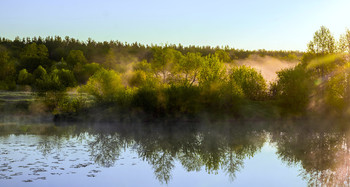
7,70
25,78
180,80
33,56
76,58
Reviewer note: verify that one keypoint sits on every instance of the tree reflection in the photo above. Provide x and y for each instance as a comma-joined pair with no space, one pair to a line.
322,152
210,147
105,149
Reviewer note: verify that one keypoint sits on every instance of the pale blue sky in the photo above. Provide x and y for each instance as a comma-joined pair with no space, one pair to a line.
269,24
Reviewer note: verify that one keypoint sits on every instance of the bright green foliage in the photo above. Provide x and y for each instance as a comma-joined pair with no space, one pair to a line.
291,57
105,85
178,80
189,67
212,72
344,42
338,89
39,72
252,83
223,56
294,87
25,78
143,66
323,42
138,78
70,104
164,61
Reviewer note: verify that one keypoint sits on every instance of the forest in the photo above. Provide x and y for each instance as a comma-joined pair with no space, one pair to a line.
78,79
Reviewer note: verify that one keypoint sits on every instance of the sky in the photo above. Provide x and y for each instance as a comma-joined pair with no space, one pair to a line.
244,24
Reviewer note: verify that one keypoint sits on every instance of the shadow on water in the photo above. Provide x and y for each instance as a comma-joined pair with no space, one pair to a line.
321,148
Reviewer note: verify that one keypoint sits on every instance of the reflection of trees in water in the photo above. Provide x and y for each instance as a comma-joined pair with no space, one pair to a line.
214,148
105,149
47,144
323,153
196,147
54,138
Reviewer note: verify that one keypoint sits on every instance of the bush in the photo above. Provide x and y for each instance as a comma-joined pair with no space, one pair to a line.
293,89
252,83
138,78
105,85
25,78
182,99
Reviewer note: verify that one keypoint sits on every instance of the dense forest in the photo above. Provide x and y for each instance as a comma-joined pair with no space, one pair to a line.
77,78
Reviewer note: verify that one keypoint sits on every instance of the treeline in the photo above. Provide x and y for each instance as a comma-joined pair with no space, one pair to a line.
21,57
176,80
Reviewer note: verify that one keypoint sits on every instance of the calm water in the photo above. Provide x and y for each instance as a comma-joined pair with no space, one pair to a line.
211,154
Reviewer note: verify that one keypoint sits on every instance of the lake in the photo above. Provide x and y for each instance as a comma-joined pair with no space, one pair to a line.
282,153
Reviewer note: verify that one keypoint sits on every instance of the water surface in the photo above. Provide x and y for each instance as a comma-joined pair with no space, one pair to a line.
174,154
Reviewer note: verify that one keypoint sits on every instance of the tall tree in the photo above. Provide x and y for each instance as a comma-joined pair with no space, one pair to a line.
344,42
164,61
323,42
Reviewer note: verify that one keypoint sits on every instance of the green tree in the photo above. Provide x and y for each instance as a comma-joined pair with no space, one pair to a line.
223,56
323,42
105,85
39,72
111,60
7,70
66,77
56,80
33,56
252,82
344,42
84,72
164,61
25,78
138,78
143,66
189,67
294,87
212,71
76,57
